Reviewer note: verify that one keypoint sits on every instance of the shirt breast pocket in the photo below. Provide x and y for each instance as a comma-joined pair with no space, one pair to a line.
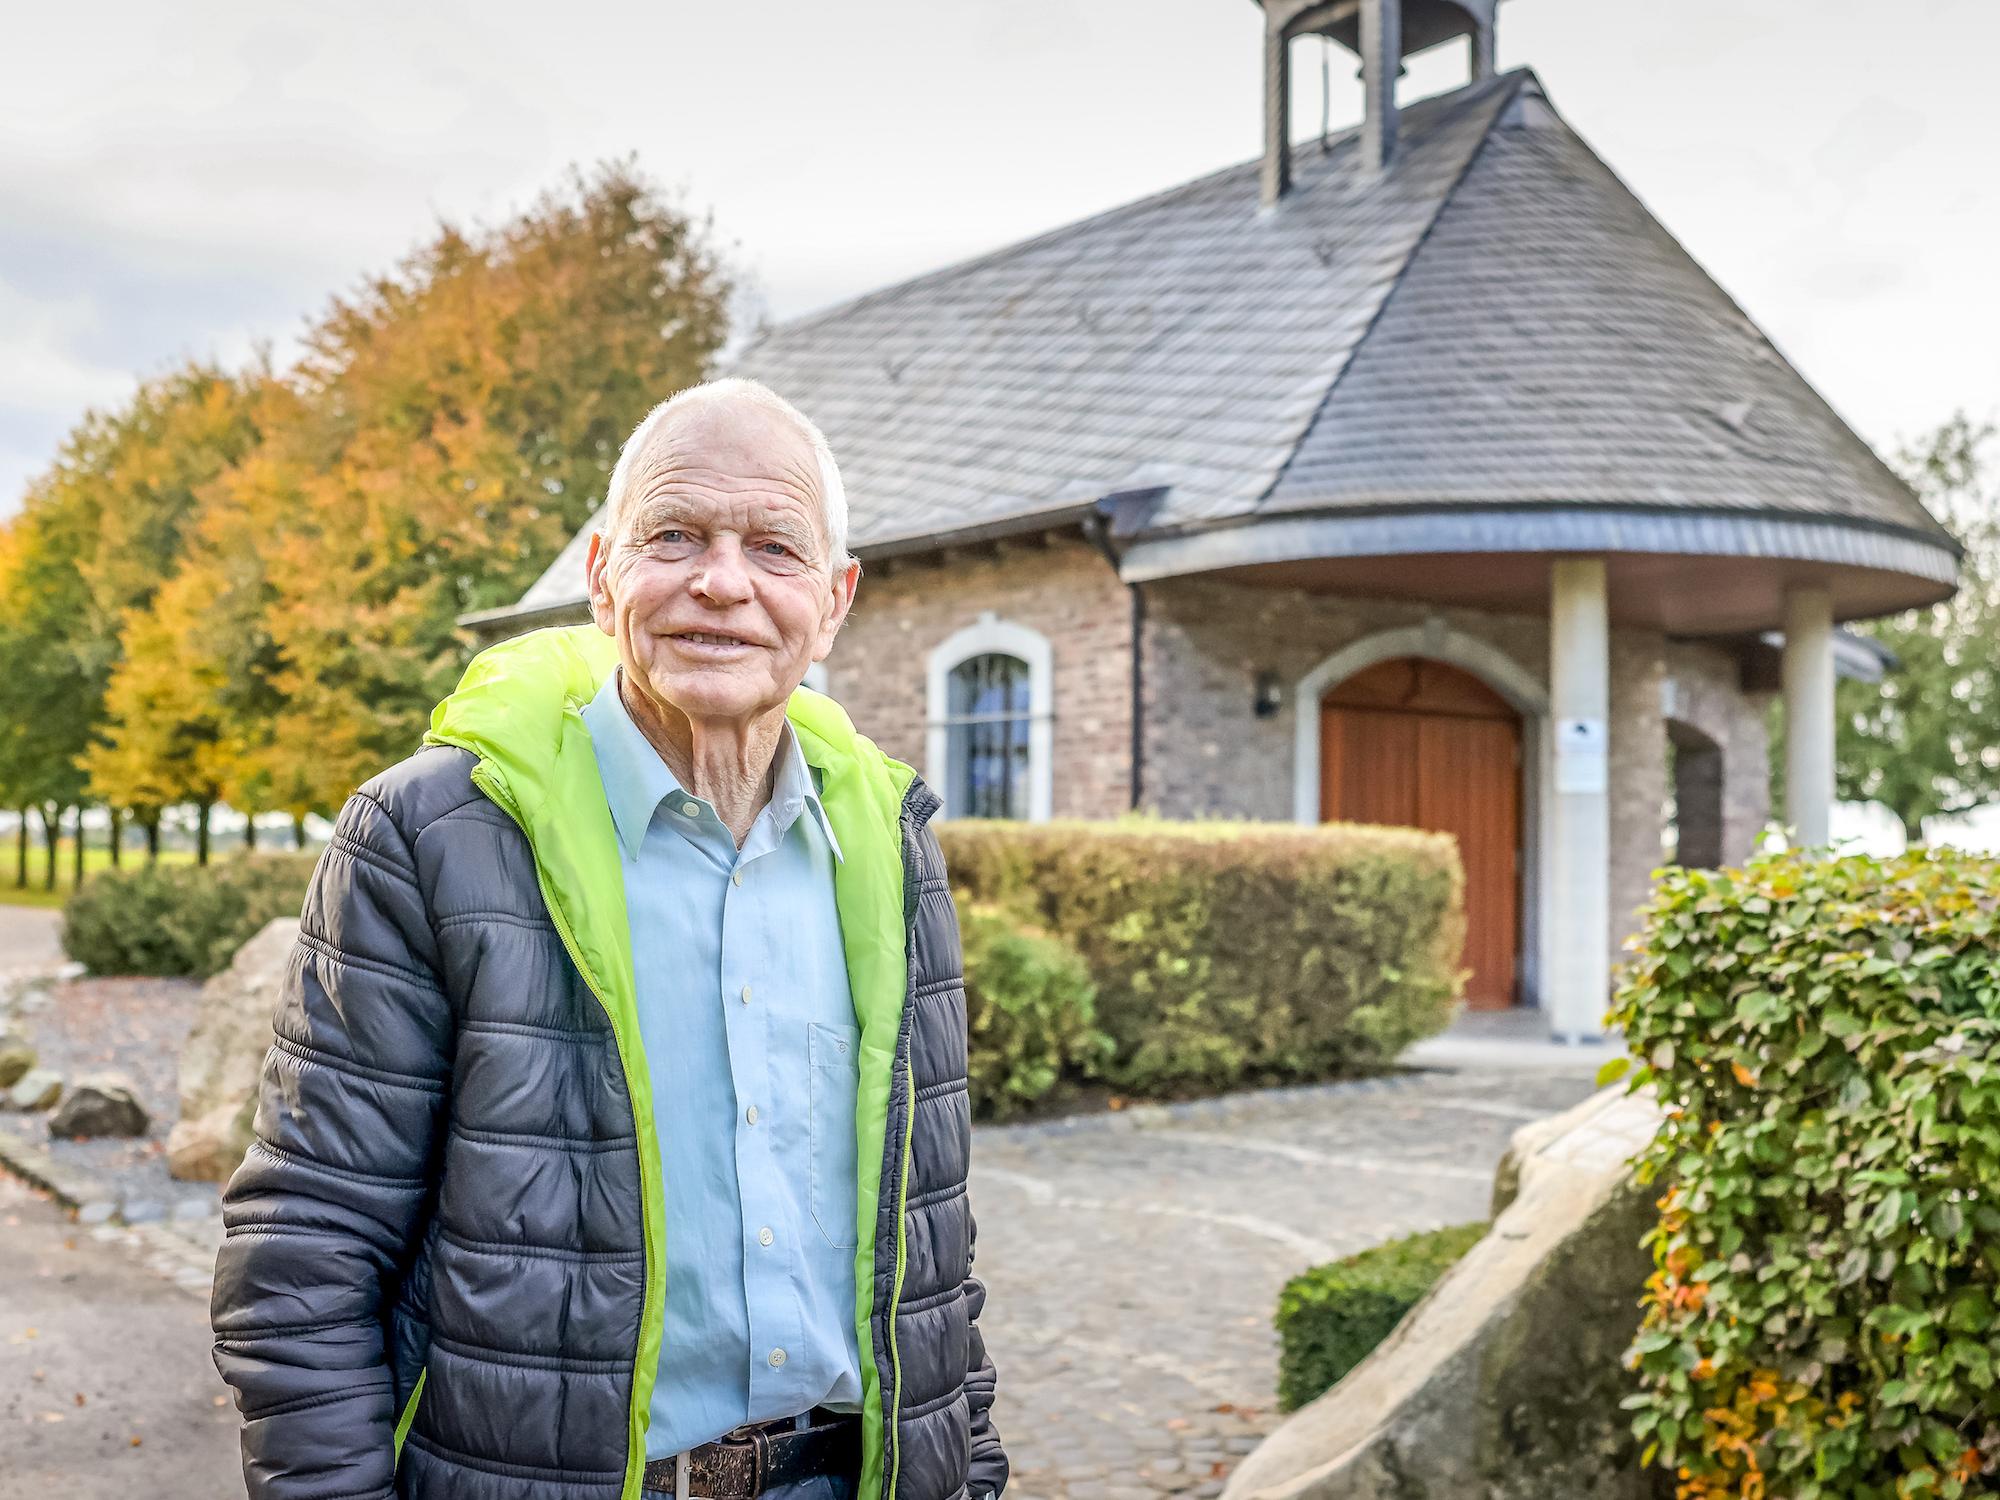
835,1069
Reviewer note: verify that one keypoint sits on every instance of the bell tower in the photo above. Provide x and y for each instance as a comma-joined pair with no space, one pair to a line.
1381,33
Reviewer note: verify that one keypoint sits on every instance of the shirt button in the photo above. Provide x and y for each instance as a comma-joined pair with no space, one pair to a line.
690,808
736,877
777,1358
750,1114
746,994
764,1236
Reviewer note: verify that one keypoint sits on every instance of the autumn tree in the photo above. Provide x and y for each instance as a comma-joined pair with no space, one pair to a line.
138,474
459,420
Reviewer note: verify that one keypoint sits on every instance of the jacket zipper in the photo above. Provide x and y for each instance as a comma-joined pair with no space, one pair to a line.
894,1436
561,924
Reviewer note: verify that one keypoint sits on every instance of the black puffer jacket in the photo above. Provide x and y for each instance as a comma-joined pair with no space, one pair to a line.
447,1186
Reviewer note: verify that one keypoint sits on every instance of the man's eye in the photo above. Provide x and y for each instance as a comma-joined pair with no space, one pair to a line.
780,546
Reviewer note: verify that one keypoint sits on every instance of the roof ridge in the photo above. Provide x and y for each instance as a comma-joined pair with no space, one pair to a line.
1515,78
1430,104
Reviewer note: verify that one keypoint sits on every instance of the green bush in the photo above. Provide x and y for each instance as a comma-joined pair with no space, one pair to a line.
1331,1317
1232,953
180,920
1824,1036
1030,1012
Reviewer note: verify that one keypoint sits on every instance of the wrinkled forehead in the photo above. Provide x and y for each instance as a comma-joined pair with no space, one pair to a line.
735,449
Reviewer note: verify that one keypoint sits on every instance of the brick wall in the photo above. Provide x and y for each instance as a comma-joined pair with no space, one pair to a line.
1207,639
879,665
1706,695
1206,752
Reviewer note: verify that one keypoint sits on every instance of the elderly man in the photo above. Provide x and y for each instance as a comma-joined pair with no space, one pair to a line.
614,1139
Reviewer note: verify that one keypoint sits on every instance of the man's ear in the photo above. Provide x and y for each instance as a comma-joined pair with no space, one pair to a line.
600,594
843,585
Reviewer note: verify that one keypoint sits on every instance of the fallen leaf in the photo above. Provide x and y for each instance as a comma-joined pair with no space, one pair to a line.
137,1440
79,1398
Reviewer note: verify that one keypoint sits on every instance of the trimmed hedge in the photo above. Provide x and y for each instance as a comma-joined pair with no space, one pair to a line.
1330,1318
1234,953
180,920
1030,1011
1824,1036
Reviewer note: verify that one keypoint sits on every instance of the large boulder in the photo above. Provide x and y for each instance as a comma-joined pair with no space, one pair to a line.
38,1088
224,1057
100,1105
16,1059
1504,1381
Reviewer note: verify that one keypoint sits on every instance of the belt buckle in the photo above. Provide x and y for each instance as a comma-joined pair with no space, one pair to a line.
760,1460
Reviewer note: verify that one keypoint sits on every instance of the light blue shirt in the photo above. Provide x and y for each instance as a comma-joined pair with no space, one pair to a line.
752,1046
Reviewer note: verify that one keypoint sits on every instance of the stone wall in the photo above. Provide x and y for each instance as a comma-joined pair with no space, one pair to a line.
1205,641
879,666
1705,694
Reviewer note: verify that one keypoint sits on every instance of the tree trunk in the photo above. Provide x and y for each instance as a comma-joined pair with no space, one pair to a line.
117,833
298,830
21,853
76,863
153,840
249,831
51,831
201,835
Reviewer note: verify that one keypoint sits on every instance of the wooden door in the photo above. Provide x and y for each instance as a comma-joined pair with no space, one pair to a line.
1423,745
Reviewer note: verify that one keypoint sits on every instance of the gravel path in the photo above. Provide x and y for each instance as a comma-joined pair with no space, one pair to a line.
107,1391
28,937
130,1026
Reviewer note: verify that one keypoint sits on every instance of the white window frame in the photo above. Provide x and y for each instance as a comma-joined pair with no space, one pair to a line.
989,634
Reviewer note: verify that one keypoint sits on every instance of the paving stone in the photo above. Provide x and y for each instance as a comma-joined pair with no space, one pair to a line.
1144,1260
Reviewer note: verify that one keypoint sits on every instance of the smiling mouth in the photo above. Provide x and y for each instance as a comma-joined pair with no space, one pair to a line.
710,638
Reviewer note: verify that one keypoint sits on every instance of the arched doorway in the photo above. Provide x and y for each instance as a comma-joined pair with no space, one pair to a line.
1694,767
1422,744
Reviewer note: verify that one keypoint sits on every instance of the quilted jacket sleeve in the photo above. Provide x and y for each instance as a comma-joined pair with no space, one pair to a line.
988,1475
321,1217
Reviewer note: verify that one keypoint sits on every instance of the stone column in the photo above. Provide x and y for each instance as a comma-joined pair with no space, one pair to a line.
1576,921
1381,61
1275,178
1808,674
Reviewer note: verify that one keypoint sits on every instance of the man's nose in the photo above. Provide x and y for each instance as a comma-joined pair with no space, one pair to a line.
723,572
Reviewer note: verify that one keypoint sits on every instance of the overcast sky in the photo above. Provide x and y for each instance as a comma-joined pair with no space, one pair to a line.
196,178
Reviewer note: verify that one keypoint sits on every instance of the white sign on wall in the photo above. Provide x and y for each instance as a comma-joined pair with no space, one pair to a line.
1583,755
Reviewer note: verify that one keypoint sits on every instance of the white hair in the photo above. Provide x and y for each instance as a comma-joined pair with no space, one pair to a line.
632,457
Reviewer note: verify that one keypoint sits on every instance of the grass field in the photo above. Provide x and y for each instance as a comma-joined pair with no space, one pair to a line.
95,857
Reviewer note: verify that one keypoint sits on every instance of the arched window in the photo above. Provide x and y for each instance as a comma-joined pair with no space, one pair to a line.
986,737
989,734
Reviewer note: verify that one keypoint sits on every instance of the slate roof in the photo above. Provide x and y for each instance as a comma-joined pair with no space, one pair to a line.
1495,320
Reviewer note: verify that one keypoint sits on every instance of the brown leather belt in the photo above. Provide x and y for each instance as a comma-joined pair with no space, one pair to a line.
747,1461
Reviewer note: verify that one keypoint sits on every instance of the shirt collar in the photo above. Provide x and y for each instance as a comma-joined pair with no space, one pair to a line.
636,779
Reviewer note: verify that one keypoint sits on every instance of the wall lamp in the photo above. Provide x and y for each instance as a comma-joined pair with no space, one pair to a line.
1270,695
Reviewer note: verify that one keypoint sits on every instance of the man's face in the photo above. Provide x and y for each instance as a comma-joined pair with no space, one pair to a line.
717,591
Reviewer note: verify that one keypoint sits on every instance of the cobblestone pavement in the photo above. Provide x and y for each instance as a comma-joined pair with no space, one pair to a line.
1133,1260
1131,1273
